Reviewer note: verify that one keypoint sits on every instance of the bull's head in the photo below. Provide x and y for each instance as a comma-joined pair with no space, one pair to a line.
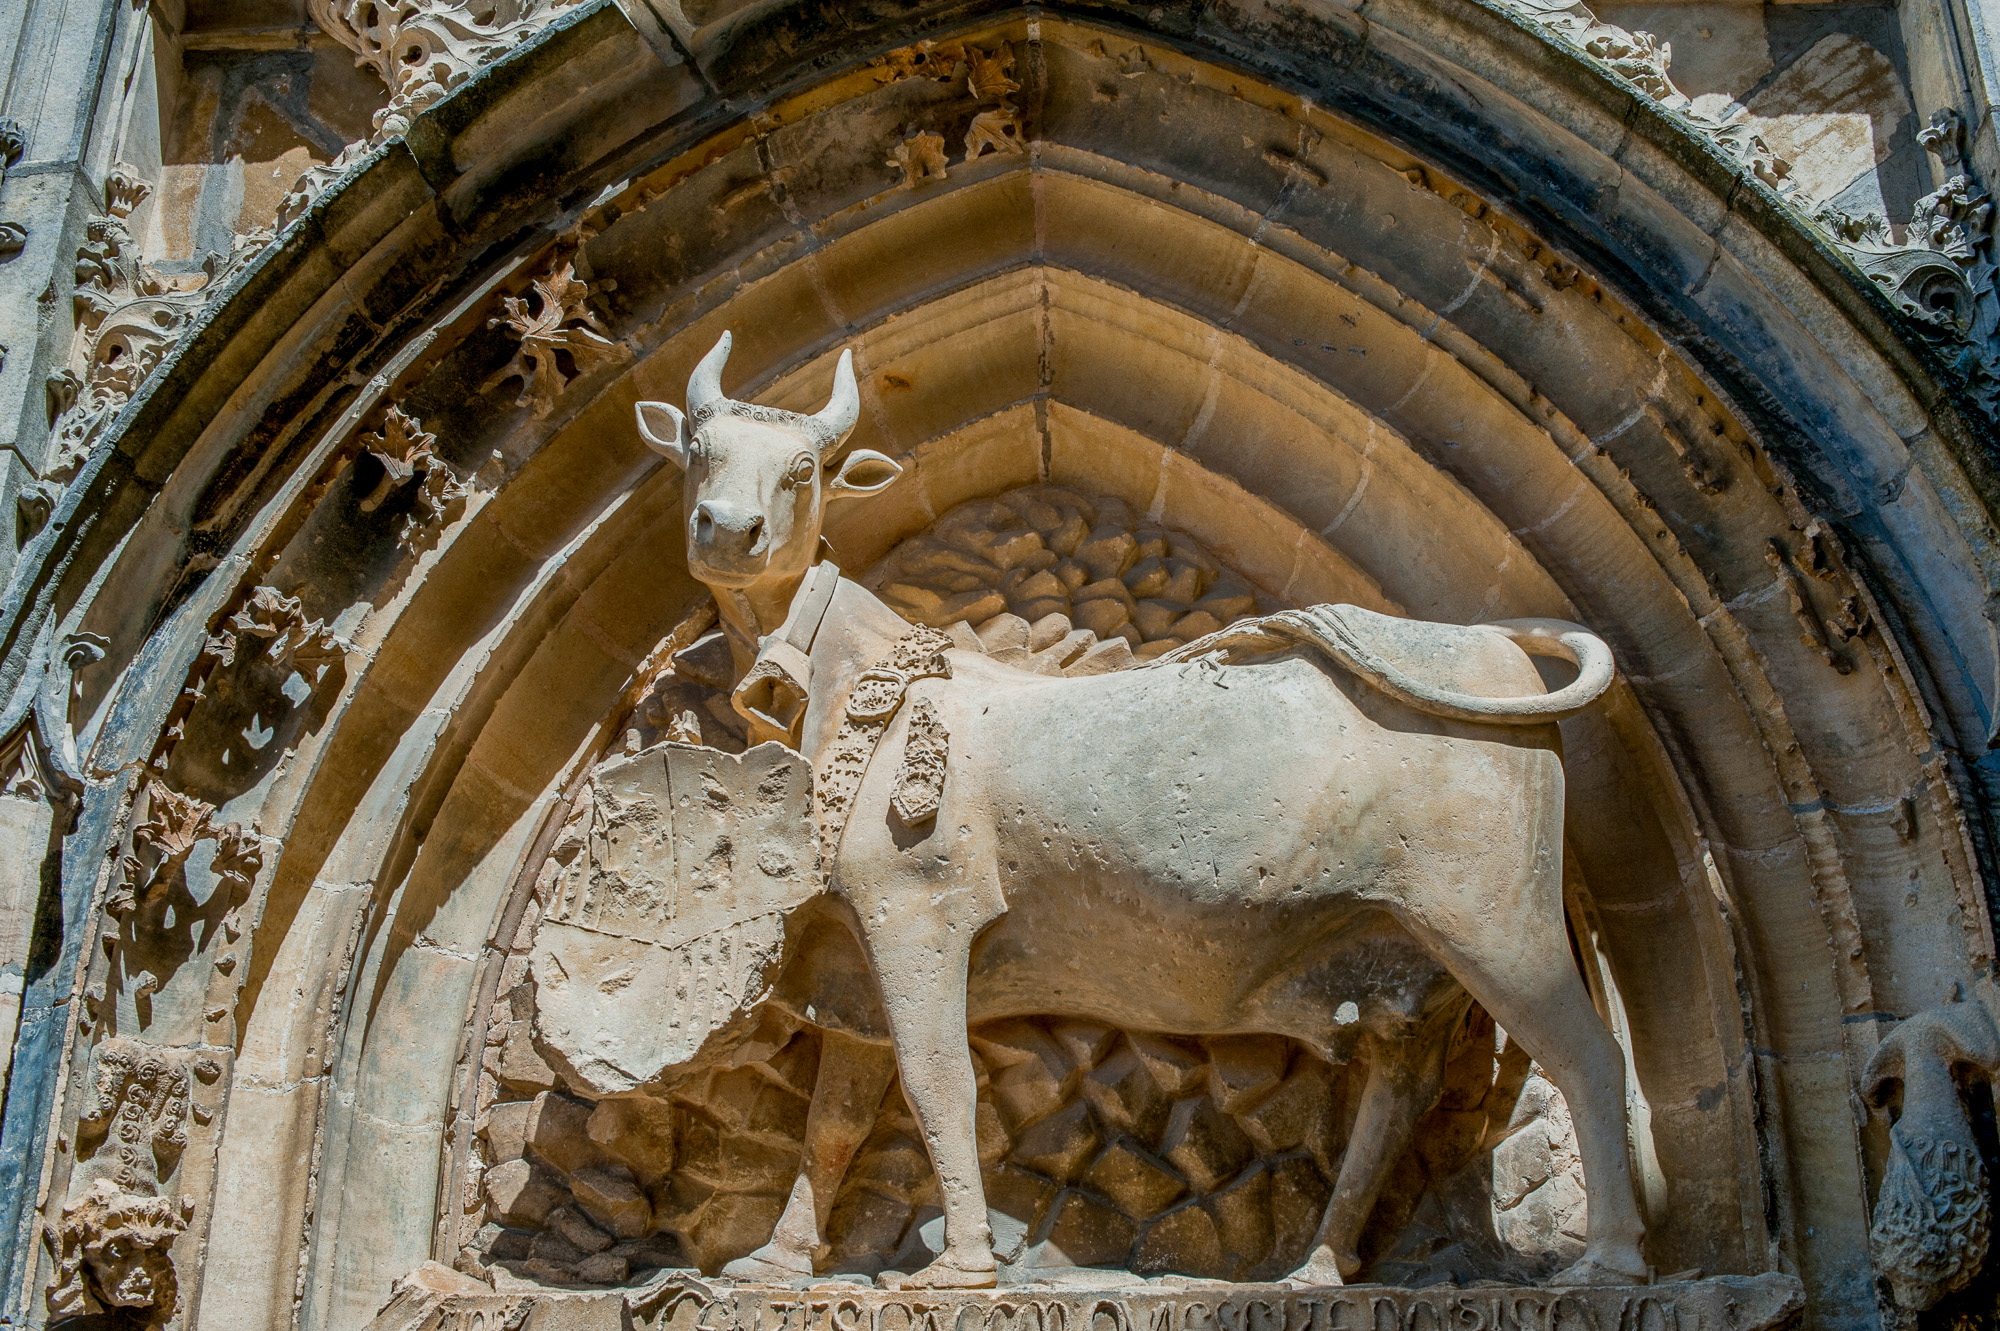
756,490
755,494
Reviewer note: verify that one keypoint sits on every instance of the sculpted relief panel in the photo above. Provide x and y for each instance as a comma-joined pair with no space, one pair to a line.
1050,906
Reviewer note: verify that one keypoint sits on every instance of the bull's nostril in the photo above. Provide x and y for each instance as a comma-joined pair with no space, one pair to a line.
755,528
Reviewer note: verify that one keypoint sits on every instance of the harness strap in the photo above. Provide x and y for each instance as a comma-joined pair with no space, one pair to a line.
872,704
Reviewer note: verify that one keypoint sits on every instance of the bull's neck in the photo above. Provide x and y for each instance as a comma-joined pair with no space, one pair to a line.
749,613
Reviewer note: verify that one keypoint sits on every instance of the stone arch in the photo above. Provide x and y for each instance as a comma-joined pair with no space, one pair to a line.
1321,321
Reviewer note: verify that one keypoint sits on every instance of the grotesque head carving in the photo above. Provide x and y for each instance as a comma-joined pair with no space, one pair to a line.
112,1252
755,492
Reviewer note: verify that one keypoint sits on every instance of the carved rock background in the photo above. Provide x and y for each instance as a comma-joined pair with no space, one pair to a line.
1202,1157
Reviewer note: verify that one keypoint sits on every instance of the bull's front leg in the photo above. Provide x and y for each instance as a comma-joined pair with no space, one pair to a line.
920,960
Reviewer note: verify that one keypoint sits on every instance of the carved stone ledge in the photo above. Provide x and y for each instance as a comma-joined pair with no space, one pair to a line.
682,1301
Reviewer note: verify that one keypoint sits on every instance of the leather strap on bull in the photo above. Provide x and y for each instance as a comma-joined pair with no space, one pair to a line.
872,704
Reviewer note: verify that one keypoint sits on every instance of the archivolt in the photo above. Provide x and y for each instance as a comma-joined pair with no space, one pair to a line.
1345,372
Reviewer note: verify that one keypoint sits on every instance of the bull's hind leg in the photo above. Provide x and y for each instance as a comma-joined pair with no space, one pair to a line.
853,1074
1404,1079
920,960
1510,950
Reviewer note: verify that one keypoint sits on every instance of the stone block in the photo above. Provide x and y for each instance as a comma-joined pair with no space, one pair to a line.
1203,1144
1156,647
866,1223
1067,535
1184,583
1299,1194
1087,1232
1184,1241
1057,1146
1125,1096
1102,659
1228,599
1049,630
1003,630
1085,1042
1103,616
520,1193
604,1268
505,1129
558,1132
551,1251
1521,1163
1195,624
1015,1204
1156,619
994,1141
611,1197
1039,586
1040,607
1292,1117
1104,588
1071,574
1108,551
1014,549
640,1132
1139,1184
1177,1065
1242,1212
575,1229
898,1166
1243,1069
515,1062
735,1223
1148,577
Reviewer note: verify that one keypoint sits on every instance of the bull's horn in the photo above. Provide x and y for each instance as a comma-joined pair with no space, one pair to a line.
837,417
705,384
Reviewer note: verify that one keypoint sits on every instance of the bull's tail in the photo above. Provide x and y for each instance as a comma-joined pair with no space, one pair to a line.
1328,629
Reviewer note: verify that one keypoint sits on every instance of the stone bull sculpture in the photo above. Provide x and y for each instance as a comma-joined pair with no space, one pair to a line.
1190,846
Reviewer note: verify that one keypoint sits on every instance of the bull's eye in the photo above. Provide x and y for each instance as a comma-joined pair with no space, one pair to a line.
801,471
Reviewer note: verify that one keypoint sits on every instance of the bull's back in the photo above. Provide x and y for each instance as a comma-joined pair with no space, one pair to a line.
1191,849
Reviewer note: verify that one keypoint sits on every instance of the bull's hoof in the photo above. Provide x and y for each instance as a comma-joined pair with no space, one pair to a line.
1320,1271
771,1265
1597,1271
944,1273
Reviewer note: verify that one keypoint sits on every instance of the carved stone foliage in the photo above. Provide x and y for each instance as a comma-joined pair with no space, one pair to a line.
267,670
173,825
1933,1221
128,318
407,461
422,50
111,1242
560,338
1941,275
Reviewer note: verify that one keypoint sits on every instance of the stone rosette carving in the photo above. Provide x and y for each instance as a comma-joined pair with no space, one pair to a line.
112,1238
1933,1221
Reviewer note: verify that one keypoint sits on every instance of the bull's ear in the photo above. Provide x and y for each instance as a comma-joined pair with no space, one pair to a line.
665,431
865,472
